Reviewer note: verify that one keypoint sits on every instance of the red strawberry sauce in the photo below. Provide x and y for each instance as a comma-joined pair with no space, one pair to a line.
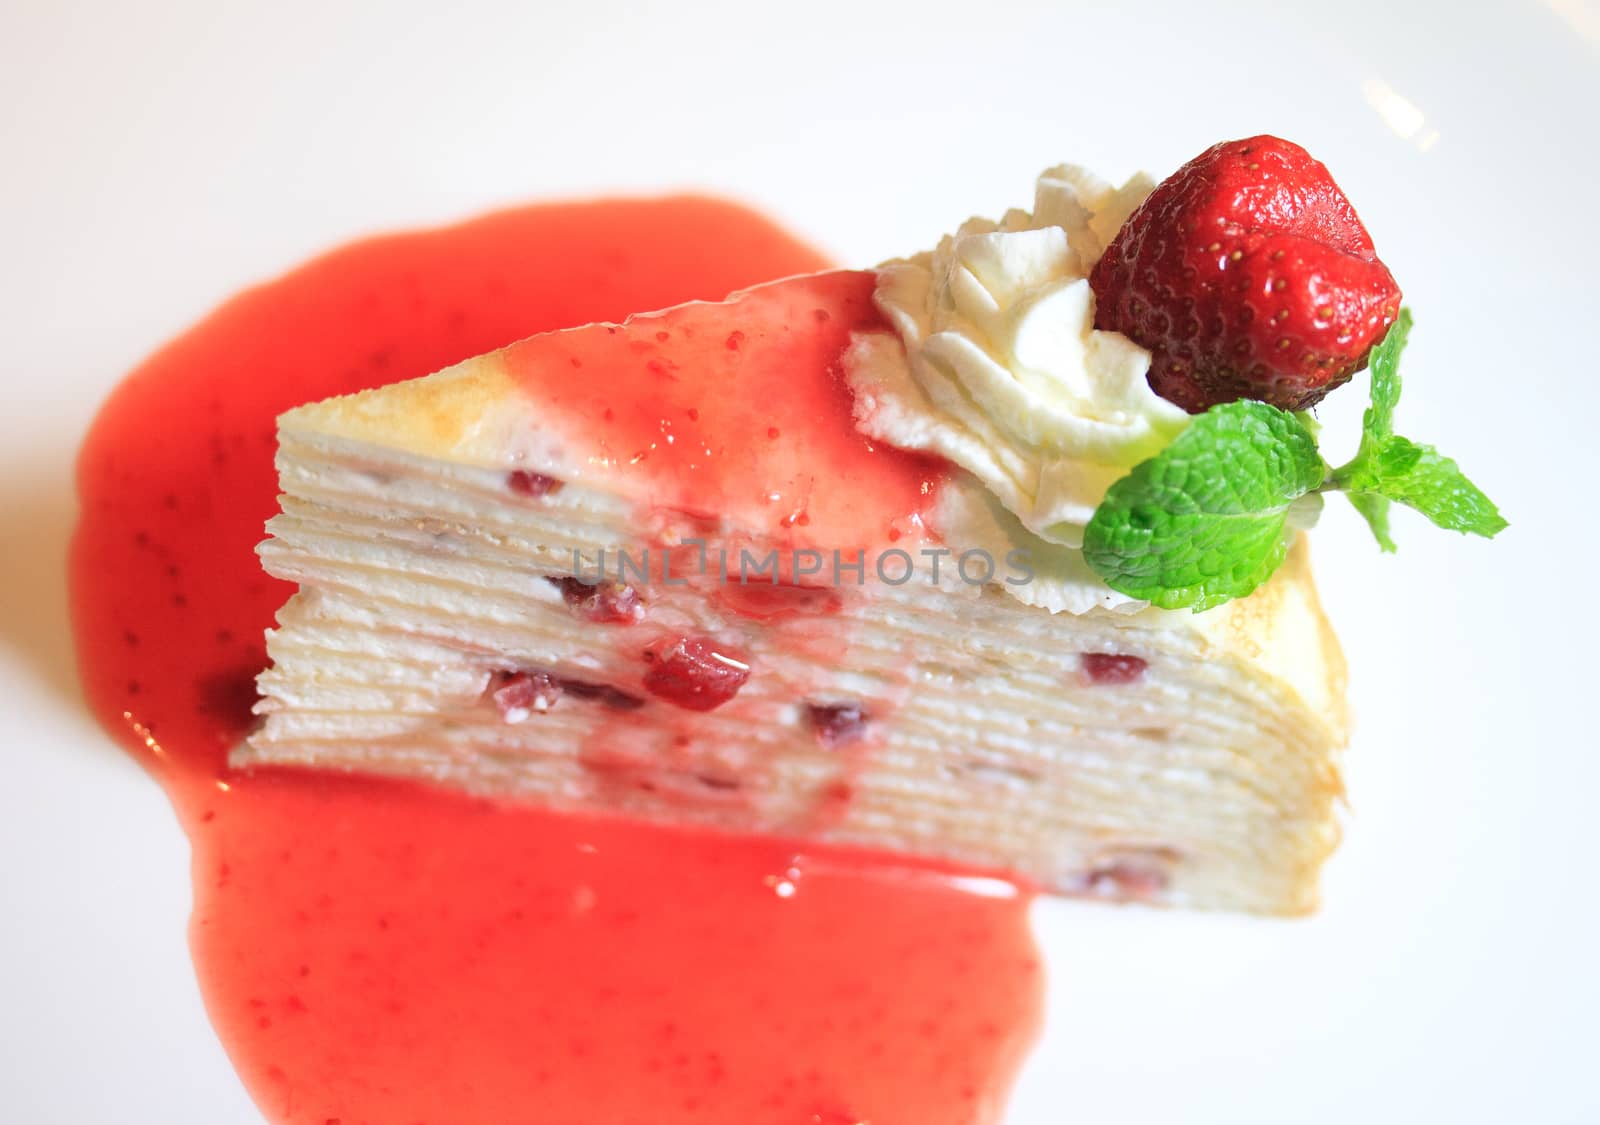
753,422
384,953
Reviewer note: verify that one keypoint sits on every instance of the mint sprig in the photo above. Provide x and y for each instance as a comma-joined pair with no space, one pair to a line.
1207,519
1377,424
1388,467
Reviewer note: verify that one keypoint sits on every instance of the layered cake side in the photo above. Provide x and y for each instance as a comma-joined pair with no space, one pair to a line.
503,589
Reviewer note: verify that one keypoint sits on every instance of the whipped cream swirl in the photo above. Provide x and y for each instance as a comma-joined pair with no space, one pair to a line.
1002,370
999,369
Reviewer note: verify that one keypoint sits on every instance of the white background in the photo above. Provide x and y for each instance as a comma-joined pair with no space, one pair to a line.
154,157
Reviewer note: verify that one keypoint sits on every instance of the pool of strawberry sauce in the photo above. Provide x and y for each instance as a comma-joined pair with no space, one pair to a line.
385,953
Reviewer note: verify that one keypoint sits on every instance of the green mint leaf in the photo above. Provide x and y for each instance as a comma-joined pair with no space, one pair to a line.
1378,422
1388,467
1375,510
1210,517
1205,520
1421,477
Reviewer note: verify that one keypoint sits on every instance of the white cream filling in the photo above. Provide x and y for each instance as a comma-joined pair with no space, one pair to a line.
998,368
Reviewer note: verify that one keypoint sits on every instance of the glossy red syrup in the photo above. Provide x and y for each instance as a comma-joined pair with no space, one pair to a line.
380,953
739,409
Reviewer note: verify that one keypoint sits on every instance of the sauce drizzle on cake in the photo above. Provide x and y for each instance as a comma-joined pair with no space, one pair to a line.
376,951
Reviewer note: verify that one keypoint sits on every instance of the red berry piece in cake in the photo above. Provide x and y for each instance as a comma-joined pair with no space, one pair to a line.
518,695
695,673
761,602
535,486
608,603
836,724
1126,881
1247,274
1113,668
604,694
1133,874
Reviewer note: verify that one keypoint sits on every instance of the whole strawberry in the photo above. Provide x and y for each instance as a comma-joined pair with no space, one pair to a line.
1247,275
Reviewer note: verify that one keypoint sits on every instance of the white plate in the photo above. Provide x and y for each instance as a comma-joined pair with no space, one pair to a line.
158,156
